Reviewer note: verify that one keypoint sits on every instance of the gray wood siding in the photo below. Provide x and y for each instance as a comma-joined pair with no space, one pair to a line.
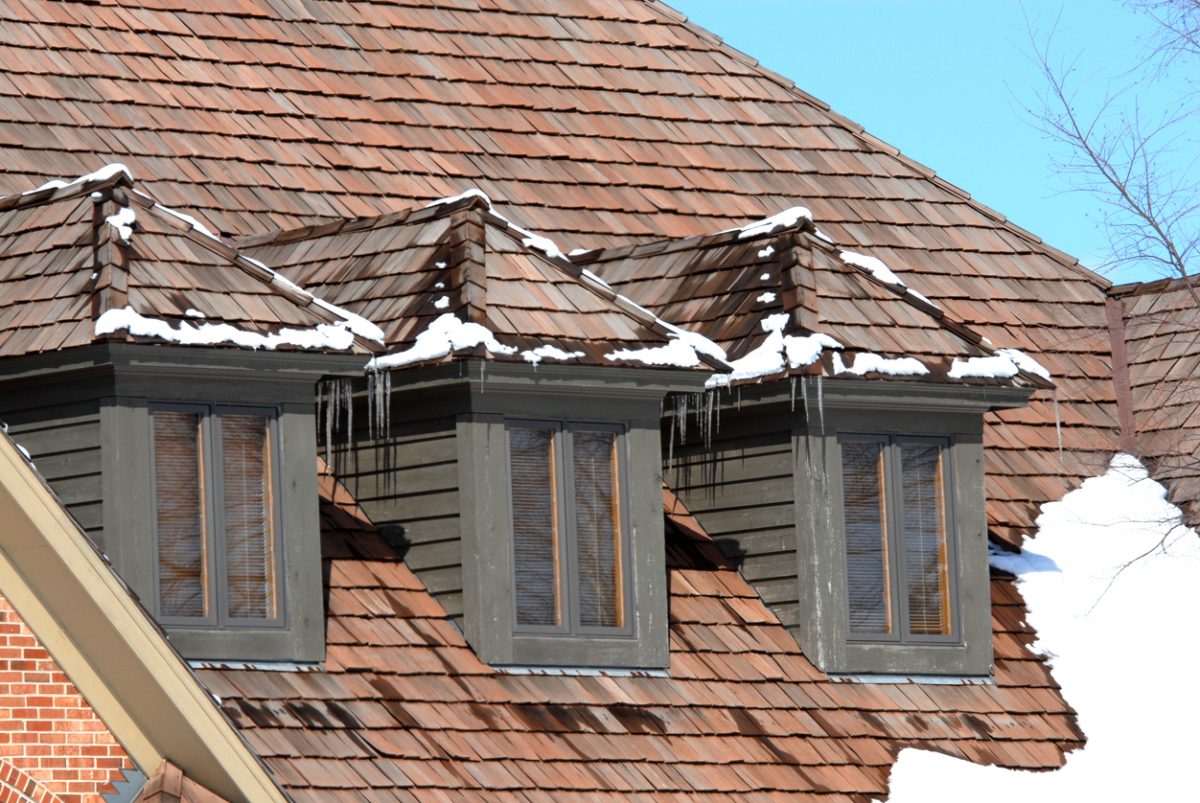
408,484
741,490
64,442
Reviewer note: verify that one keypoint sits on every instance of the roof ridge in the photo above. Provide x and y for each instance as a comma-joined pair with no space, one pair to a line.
858,130
111,175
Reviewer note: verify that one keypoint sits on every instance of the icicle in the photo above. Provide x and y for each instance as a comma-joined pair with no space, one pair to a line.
821,403
349,394
387,403
330,407
482,375
1058,426
793,393
804,398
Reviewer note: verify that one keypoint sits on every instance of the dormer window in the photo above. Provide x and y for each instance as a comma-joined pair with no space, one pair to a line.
217,522
899,587
569,549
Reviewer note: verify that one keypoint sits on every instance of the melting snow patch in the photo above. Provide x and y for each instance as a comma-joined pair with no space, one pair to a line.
446,334
471,193
1113,581
920,297
766,277
442,302
1025,362
549,352
1004,364
774,353
123,222
767,252
868,362
337,336
782,220
188,219
873,266
440,286
192,312
578,252
677,353
766,298
104,173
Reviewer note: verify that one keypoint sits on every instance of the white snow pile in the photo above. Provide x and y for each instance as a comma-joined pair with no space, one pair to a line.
683,350
474,192
873,266
104,173
766,298
444,335
775,353
335,336
1113,590
441,303
123,221
1004,364
548,352
867,362
766,252
782,220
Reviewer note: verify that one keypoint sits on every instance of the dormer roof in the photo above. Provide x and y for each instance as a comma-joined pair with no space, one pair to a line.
456,279
97,259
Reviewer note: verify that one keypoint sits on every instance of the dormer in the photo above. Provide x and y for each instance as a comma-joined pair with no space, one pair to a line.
508,443
165,385
844,470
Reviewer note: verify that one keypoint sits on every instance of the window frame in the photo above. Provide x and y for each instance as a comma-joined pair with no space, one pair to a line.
569,582
894,507
822,622
214,519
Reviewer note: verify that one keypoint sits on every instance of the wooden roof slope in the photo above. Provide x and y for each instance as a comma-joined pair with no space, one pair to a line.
402,710
726,285
600,120
1161,420
406,270
64,263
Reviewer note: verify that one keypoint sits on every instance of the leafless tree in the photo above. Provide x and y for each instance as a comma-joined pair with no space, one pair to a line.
1141,163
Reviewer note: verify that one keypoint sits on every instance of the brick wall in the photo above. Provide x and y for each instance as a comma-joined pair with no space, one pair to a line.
52,744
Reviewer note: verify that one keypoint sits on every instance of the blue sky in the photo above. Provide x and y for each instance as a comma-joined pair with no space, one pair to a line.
945,81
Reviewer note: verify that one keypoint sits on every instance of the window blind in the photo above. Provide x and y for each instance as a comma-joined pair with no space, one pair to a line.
924,541
181,528
597,528
868,581
534,481
249,521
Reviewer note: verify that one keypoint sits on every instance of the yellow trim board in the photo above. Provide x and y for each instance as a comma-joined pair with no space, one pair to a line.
109,647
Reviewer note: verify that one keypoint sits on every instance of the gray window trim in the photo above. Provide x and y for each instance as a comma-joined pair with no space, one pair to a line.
631,400
896,570
569,581
213,501
823,620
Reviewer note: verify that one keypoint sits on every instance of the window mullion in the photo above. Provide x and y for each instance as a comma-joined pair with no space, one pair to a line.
893,488
569,577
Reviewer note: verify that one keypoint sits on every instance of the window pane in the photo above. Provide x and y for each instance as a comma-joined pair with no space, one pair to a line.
179,507
598,529
535,525
249,520
868,585
924,544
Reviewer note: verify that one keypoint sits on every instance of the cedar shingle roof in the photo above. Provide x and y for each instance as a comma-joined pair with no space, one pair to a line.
725,286
1162,343
402,710
64,265
598,121
406,270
